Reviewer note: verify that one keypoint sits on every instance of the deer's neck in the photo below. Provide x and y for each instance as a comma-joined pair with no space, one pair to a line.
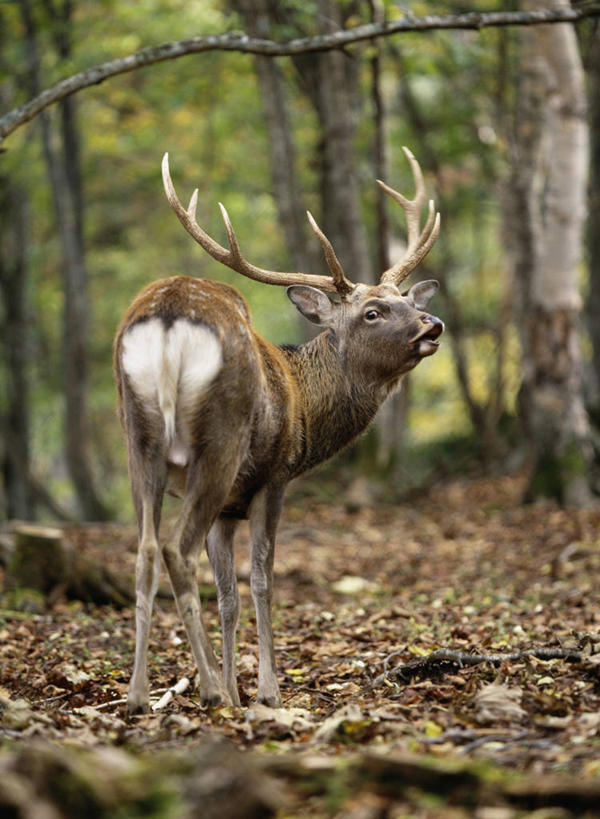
335,403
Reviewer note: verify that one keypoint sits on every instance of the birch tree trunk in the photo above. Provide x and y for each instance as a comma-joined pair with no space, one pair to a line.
549,183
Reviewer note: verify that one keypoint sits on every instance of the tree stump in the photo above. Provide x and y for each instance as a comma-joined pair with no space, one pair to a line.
43,564
39,560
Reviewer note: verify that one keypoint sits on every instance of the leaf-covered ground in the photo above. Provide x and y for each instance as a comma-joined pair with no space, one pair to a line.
360,591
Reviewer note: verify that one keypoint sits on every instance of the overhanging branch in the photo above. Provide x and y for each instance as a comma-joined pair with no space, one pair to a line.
249,45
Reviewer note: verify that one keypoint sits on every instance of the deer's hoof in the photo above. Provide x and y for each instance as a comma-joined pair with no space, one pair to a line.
212,700
215,698
272,700
234,696
135,707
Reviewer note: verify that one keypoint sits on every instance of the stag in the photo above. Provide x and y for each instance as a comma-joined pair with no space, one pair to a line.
217,415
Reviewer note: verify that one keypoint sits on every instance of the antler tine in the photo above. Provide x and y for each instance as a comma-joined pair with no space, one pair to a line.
188,217
419,241
342,285
233,257
234,247
191,208
231,237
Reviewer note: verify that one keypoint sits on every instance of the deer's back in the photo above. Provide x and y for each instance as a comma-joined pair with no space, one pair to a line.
191,371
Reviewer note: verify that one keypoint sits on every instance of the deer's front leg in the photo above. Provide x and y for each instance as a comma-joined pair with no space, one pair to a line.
264,517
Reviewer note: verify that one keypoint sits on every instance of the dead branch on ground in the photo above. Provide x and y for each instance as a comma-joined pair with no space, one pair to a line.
447,661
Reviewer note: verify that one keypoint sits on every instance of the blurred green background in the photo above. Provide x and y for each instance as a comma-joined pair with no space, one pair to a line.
451,96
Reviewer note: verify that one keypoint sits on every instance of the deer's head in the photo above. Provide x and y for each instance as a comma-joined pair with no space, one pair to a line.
380,329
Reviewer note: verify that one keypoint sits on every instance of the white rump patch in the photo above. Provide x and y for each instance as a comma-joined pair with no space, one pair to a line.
169,371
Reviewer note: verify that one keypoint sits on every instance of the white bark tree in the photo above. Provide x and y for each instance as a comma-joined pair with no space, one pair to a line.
549,184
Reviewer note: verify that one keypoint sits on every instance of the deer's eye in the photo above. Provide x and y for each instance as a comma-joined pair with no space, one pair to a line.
371,315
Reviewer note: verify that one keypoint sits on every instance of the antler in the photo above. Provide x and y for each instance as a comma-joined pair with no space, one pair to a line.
336,283
419,241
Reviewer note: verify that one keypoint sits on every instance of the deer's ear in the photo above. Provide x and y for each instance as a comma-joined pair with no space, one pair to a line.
312,303
421,293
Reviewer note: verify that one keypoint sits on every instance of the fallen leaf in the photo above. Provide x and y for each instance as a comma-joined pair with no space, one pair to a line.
348,722
350,584
15,714
498,703
69,676
432,729
292,717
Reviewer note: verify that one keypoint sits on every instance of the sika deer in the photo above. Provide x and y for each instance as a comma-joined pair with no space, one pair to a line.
221,417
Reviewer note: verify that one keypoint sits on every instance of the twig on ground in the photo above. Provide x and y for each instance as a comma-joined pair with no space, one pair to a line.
470,739
389,658
103,705
505,739
48,700
445,660
166,698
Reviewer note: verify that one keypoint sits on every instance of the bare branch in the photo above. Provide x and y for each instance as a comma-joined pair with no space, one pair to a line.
250,45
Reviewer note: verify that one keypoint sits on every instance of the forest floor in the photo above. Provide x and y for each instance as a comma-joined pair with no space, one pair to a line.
370,727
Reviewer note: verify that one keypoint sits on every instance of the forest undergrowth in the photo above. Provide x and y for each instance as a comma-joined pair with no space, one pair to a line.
363,596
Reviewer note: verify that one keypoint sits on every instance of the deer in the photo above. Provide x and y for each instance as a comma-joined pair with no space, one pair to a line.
218,416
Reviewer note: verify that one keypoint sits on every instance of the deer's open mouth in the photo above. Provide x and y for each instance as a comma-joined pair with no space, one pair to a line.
432,336
427,343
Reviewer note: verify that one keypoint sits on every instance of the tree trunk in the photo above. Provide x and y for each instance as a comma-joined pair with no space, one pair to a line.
382,254
549,181
16,410
391,419
63,169
331,83
290,207
593,300
15,413
483,415
340,197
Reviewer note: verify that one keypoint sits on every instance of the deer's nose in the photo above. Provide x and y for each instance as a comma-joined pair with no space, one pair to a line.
436,326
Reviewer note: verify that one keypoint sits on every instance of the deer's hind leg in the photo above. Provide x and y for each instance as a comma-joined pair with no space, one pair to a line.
148,478
219,545
210,478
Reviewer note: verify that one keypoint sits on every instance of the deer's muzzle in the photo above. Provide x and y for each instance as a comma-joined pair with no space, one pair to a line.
427,339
